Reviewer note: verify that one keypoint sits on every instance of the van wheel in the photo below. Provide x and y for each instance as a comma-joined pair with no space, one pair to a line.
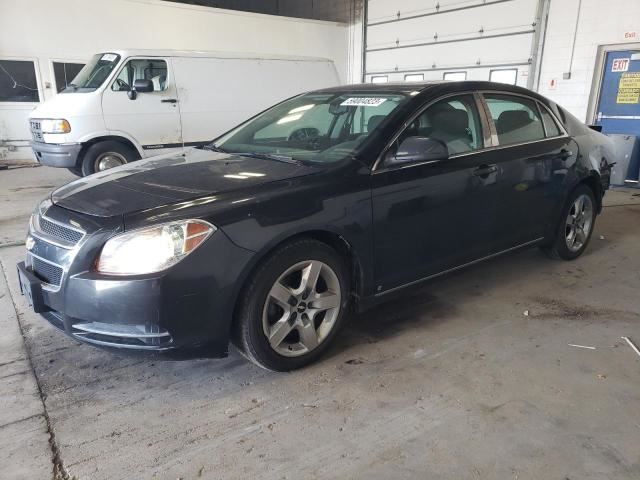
105,155
292,307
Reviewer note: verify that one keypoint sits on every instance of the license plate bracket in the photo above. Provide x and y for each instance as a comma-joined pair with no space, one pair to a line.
31,288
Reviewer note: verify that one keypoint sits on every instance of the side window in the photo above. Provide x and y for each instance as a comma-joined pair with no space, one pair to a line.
516,119
453,120
18,81
142,68
550,125
509,76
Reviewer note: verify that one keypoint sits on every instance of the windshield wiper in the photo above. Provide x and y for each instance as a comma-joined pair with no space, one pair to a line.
268,156
213,148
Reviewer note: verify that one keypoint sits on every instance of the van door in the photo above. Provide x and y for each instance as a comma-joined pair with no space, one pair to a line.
152,119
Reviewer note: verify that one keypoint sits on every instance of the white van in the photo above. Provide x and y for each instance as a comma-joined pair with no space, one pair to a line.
128,104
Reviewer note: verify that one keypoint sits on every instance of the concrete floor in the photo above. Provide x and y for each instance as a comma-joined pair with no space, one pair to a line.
450,381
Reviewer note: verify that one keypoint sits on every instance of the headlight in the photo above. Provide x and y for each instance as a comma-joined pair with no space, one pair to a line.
152,249
58,125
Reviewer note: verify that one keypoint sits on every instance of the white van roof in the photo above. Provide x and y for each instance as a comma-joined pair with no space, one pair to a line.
212,54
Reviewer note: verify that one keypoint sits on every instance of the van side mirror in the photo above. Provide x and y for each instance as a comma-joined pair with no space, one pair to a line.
597,128
419,149
141,85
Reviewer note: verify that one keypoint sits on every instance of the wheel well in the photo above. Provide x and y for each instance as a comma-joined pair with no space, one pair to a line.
93,141
593,182
333,240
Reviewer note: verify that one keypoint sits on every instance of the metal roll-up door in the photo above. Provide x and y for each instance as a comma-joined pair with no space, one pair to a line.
452,39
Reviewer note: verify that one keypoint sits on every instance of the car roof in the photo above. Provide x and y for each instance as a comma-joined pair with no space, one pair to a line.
420,87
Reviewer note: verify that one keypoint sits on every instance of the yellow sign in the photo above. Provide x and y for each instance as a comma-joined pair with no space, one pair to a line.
629,88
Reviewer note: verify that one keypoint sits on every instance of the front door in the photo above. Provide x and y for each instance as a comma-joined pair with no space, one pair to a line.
152,119
433,216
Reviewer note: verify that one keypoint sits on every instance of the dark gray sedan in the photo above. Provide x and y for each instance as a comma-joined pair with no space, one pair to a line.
330,200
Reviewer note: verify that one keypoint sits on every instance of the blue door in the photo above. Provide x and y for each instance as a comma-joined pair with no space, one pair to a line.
619,104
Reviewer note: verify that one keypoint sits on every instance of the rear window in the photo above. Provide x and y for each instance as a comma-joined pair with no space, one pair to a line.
517,119
550,125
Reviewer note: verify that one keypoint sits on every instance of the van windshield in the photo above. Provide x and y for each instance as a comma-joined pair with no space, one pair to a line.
94,73
317,127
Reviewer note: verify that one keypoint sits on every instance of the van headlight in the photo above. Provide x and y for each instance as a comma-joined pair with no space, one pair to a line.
55,125
152,249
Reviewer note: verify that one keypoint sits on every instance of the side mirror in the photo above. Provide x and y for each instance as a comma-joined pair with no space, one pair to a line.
597,128
141,85
419,149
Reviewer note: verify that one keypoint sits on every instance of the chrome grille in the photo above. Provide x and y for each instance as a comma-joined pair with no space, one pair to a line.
52,274
36,131
57,231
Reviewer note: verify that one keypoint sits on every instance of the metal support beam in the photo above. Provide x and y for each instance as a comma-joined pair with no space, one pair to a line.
365,19
537,45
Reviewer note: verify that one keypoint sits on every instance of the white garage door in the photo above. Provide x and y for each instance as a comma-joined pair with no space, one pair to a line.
414,40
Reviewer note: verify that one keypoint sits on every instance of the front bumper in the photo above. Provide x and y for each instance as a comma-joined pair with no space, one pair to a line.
53,155
187,308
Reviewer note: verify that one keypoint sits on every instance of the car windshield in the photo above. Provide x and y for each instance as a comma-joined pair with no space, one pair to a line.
94,73
317,127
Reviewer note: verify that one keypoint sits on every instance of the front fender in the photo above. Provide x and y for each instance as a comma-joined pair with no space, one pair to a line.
111,134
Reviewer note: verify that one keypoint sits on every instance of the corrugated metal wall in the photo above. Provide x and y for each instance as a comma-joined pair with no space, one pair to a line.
475,39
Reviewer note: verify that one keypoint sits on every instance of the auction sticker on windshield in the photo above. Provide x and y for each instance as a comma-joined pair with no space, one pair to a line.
108,57
363,102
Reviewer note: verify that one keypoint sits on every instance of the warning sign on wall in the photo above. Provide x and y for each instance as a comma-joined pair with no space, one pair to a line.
629,88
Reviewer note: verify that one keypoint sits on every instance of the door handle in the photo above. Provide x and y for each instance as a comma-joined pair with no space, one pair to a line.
485,170
564,154
169,100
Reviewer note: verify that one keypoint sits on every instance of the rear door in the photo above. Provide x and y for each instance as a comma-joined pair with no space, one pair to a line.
433,216
152,119
533,154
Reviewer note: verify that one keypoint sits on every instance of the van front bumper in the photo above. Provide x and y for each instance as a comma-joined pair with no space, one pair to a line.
54,155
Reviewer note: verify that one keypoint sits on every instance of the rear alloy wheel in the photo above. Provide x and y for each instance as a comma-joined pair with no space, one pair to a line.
293,306
576,225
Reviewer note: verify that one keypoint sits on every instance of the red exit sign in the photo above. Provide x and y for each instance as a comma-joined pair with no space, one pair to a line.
630,35
620,65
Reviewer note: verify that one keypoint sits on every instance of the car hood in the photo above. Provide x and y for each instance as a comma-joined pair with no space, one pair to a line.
167,179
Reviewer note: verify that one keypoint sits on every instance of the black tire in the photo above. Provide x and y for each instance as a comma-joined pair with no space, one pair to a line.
558,247
76,171
248,334
98,150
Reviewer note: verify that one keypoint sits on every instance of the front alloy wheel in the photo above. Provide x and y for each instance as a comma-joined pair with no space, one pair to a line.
293,306
301,308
